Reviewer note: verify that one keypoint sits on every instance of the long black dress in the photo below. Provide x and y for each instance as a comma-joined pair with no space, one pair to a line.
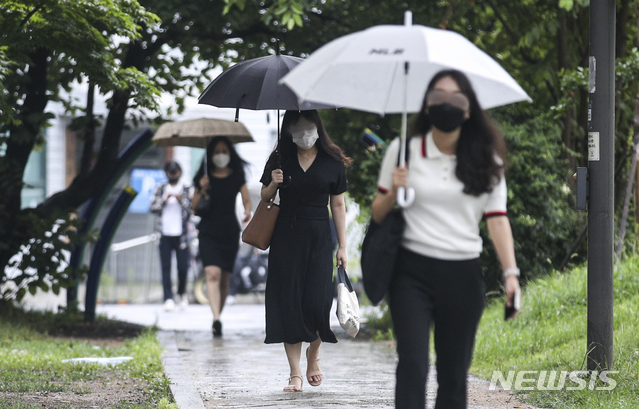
299,290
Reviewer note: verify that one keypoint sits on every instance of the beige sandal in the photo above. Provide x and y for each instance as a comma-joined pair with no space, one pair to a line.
292,388
312,373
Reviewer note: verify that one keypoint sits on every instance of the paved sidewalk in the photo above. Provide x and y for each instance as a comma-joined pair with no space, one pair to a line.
240,371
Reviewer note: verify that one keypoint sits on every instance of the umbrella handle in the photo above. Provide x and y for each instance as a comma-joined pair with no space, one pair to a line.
405,197
287,181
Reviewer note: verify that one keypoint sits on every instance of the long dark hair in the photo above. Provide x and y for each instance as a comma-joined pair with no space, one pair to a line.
237,164
479,142
288,149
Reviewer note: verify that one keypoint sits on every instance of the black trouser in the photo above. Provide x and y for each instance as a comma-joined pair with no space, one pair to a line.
168,244
450,296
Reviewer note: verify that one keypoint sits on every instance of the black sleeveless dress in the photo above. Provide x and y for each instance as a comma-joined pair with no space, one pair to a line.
299,290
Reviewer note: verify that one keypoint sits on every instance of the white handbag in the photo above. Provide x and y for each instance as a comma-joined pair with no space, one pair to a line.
347,304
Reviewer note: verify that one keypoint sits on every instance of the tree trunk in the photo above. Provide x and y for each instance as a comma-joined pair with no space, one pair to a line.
21,141
86,186
86,162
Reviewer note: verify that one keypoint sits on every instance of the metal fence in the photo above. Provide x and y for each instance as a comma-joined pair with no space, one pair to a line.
132,272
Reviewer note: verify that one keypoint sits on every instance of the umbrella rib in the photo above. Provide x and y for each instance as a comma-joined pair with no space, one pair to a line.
388,94
243,68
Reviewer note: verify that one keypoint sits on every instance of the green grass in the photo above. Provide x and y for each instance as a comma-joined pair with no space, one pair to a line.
31,362
550,334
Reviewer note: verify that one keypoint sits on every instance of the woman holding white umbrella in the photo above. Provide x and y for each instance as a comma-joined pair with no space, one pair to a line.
456,169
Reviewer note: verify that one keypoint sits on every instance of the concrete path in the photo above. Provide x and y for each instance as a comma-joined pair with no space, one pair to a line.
240,371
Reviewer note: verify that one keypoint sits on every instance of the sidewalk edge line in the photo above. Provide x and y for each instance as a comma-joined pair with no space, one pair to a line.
185,394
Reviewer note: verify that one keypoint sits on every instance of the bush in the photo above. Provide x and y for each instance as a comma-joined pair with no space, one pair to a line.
41,262
540,203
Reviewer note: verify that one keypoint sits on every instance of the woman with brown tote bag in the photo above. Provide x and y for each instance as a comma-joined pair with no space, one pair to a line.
299,290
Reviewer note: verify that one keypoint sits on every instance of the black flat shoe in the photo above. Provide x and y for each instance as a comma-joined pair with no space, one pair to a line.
217,328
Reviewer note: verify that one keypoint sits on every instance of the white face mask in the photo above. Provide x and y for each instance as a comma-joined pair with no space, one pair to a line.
221,160
306,138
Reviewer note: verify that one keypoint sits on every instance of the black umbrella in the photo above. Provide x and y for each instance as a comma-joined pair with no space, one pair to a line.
255,84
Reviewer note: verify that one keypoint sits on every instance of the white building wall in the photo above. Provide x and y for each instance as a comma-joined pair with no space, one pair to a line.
56,155
182,155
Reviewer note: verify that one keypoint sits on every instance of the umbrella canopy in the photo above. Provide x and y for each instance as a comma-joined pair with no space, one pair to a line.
197,133
254,84
366,70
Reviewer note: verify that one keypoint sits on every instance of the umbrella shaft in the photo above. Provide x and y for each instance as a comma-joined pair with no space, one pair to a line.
402,140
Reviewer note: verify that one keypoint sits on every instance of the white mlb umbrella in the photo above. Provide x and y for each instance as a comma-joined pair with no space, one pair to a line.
386,69
366,70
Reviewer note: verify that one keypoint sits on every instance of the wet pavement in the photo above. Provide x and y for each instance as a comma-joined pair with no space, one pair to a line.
240,371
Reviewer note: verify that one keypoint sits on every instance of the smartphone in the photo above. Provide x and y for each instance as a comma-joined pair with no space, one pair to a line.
516,306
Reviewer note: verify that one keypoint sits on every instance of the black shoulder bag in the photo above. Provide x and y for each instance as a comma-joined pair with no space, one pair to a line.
379,250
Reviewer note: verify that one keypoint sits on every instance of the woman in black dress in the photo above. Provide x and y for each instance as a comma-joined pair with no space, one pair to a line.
219,231
299,290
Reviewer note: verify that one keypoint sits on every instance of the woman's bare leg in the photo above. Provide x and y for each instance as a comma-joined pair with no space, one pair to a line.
293,353
312,363
213,290
225,283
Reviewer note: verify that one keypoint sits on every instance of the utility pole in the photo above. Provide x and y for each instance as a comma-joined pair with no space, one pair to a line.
601,144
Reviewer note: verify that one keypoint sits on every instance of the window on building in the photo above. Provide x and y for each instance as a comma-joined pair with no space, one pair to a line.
34,189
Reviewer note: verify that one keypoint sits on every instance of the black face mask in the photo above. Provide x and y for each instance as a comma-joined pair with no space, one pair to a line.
446,117
173,177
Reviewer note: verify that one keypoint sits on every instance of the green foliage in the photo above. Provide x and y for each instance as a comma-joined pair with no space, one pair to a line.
6,111
550,334
569,4
289,13
40,262
80,37
379,323
165,403
144,93
540,202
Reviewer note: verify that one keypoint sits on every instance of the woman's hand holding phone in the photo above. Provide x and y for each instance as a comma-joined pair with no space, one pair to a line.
513,297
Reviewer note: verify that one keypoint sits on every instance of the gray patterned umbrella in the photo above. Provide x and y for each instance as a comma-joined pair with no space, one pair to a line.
197,133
